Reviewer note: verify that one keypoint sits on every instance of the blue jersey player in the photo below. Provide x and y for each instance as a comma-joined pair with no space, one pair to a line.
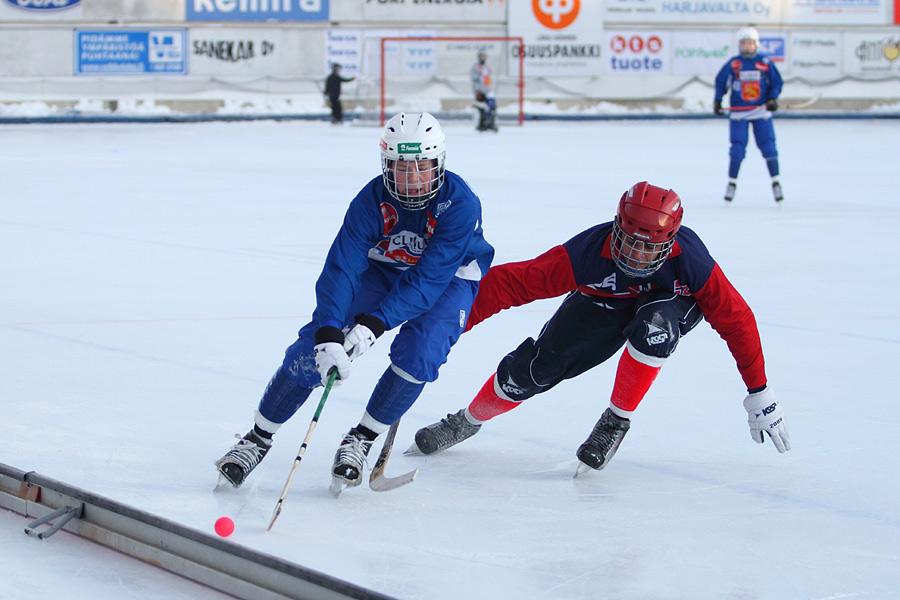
640,281
409,254
755,85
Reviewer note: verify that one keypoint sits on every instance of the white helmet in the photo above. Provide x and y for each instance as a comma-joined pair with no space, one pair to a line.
748,33
410,138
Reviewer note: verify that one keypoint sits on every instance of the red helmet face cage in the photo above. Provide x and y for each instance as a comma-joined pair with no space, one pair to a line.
644,229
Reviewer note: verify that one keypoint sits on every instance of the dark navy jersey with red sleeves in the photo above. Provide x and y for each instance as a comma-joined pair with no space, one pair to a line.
585,263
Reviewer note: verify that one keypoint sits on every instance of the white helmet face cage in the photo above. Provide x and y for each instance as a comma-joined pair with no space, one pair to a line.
413,149
635,257
748,33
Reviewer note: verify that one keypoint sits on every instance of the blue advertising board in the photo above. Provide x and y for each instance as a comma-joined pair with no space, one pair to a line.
131,52
256,10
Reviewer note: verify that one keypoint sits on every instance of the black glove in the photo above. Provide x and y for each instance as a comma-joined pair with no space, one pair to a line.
717,107
772,104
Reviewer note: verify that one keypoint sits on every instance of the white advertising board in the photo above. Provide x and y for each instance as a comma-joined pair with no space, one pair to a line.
631,52
236,51
872,53
700,52
738,12
815,55
561,37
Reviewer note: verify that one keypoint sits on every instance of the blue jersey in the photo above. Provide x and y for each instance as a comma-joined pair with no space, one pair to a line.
752,80
420,250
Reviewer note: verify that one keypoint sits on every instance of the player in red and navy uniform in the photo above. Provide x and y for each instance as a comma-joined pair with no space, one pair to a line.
755,85
641,281
409,254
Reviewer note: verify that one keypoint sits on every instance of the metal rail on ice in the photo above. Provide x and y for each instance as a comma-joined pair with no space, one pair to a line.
203,558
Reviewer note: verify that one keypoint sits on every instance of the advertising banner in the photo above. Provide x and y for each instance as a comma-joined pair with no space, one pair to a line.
837,12
815,55
344,47
561,37
740,12
693,11
131,52
41,10
416,58
256,10
637,52
236,51
700,52
437,11
872,53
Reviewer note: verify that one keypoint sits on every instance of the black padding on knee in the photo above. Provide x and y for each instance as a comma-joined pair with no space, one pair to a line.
654,335
529,370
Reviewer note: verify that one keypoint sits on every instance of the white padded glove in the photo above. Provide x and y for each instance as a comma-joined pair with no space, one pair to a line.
362,335
359,339
765,415
329,354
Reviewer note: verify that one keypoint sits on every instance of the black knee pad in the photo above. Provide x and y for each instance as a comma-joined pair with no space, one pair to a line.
528,370
656,336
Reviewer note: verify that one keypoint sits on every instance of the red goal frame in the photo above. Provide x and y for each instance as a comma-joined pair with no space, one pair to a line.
521,84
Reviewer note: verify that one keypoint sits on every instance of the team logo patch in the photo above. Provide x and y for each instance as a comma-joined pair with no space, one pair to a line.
389,214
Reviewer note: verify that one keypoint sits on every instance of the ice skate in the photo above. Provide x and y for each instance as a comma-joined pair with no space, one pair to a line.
776,191
601,445
730,189
349,461
242,458
446,433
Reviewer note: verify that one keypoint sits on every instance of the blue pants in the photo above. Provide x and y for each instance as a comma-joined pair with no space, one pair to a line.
419,349
763,133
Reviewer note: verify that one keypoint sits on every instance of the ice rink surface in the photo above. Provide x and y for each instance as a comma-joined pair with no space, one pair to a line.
152,275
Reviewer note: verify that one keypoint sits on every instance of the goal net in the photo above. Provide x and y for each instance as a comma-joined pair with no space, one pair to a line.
433,74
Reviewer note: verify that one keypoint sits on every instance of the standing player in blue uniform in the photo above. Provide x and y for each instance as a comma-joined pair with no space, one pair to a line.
410,254
640,281
755,85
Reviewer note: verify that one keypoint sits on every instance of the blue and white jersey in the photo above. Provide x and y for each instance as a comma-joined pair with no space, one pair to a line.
421,251
751,80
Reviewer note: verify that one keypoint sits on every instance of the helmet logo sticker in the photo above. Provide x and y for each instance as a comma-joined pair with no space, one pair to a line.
409,147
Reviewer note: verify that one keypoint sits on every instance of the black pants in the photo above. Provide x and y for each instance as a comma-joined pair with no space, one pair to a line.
337,111
585,332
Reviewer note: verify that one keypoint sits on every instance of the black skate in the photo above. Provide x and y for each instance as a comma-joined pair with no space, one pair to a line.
776,191
448,432
730,189
601,445
348,462
243,458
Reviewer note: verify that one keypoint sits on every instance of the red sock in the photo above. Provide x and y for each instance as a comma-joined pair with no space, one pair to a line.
488,403
634,377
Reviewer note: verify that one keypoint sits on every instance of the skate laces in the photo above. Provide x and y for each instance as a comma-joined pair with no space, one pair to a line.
245,453
353,451
608,432
454,428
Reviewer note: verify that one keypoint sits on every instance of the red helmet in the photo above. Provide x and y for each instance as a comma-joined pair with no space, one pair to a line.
644,228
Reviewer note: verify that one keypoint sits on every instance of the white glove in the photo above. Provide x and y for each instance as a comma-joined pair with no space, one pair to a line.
359,339
329,354
362,335
765,415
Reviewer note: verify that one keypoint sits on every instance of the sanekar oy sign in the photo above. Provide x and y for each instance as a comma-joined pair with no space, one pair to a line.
131,52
